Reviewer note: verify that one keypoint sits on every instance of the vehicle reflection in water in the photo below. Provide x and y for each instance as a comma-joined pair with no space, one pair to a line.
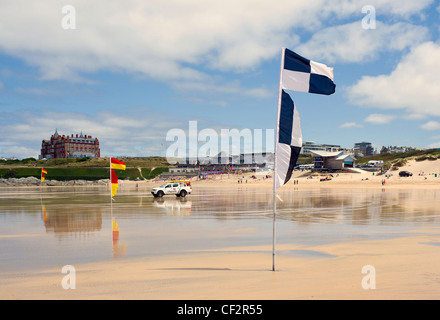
301,205
73,226
173,205
66,214
323,205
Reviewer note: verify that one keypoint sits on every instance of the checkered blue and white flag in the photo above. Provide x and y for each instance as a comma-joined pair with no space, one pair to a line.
297,74
289,140
304,75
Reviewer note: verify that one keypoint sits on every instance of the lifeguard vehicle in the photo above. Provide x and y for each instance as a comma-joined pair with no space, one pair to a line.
178,188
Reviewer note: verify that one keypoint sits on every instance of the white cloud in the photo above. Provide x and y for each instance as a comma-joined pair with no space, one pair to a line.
377,118
139,134
434,145
400,8
233,87
19,152
413,85
431,125
167,40
351,125
351,43
415,116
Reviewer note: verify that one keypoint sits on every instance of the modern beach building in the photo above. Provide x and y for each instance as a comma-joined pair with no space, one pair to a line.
332,160
310,146
78,146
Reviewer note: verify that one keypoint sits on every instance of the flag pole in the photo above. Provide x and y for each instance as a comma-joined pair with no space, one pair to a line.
275,162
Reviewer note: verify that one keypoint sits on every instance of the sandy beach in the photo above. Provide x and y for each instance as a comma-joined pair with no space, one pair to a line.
406,267
424,175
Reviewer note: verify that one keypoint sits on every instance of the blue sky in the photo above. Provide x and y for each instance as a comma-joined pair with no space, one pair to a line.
132,70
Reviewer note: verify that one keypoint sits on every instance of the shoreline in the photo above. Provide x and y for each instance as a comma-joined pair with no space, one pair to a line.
348,179
425,174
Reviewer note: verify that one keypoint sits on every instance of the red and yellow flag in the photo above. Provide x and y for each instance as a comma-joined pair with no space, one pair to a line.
116,164
43,174
115,229
114,182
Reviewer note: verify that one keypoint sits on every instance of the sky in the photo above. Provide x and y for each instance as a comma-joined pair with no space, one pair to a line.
129,71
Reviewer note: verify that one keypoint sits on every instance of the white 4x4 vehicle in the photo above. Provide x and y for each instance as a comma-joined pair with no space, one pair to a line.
180,189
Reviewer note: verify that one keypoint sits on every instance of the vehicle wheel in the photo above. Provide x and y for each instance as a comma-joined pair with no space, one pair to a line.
160,194
183,193
178,195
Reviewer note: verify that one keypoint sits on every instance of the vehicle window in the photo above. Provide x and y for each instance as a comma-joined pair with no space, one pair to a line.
175,185
168,186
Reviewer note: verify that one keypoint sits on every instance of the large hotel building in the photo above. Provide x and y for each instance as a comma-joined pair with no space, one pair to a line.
70,147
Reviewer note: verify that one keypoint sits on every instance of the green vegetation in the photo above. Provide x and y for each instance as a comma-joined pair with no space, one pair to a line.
397,160
147,162
304,159
83,168
151,174
11,173
395,165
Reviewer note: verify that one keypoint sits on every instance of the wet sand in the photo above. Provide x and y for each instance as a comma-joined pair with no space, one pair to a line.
406,264
406,268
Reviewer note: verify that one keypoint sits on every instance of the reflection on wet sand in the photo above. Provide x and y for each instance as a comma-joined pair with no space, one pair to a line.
323,205
360,206
66,221
73,221
67,213
174,206
119,250
208,218
235,204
